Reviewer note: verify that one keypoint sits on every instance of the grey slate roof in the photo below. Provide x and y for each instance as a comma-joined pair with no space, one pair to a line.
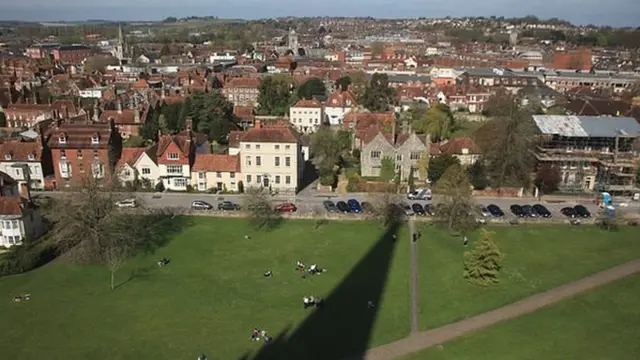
587,126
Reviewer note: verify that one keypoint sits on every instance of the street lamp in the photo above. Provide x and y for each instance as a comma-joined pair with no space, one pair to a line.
27,177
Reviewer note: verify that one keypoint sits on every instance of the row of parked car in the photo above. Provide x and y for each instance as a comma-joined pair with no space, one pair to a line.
536,211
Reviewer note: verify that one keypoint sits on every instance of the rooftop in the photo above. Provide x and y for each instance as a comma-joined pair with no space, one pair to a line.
587,126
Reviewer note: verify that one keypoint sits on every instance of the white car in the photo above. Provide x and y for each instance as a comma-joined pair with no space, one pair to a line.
128,203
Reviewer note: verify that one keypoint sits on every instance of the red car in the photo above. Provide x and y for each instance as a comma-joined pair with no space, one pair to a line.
286,207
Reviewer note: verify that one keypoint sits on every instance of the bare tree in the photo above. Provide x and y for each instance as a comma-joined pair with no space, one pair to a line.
257,203
456,210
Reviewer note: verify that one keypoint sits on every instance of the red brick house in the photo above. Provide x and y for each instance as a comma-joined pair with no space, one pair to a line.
83,149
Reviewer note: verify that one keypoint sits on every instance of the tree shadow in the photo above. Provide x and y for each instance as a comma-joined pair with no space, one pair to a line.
342,327
156,228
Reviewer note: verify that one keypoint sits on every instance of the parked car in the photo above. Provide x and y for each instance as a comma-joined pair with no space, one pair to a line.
367,207
330,206
228,206
286,207
406,209
495,210
201,205
418,209
343,207
517,210
529,211
430,209
542,211
354,206
419,194
127,203
582,211
569,212
484,211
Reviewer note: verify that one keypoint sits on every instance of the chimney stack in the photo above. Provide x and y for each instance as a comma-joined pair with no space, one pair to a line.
66,112
257,124
393,131
405,126
136,117
119,107
188,123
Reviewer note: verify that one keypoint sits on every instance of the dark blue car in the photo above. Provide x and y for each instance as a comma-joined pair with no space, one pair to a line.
354,206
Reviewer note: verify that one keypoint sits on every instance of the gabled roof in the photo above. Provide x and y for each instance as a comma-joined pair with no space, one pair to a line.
216,163
341,99
271,134
80,135
181,141
455,146
20,151
12,205
130,156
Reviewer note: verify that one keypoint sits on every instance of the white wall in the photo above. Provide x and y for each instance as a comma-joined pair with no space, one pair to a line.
306,120
145,162
35,168
276,174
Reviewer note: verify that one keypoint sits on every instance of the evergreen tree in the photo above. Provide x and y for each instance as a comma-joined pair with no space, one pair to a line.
482,262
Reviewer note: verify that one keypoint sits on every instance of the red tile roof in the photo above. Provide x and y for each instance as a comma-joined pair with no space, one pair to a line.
272,133
341,99
243,112
216,163
20,151
243,82
12,205
304,103
455,146
80,135
130,155
125,117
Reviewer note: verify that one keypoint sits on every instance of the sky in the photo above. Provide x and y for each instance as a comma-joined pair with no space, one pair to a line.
597,12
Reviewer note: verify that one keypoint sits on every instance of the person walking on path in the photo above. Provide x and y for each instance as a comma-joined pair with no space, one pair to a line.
465,241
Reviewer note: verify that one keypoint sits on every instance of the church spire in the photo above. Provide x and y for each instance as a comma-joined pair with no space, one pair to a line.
120,37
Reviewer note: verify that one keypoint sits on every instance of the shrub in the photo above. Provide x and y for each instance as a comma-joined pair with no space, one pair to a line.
24,258
160,186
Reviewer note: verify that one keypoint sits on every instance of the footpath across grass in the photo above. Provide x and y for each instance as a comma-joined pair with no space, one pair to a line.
537,258
208,299
600,324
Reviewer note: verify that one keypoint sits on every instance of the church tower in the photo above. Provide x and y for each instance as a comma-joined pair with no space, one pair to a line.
119,53
293,41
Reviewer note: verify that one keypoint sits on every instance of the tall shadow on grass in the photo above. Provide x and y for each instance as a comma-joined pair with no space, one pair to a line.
342,327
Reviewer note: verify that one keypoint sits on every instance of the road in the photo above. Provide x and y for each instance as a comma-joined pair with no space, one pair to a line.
313,203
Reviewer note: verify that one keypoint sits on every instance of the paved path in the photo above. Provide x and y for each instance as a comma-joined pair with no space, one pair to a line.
426,339
413,276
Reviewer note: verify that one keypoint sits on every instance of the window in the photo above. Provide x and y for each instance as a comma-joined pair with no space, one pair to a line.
399,157
7,156
277,147
277,160
126,172
180,182
258,179
232,175
277,179
81,167
287,147
174,169
257,146
414,155
17,172
247,146
258,161
287,161
95,140
96,155
247,160
375,154
287,180
62,139
97,170
248,179
218,174
31,157
146,171
202,175
172,156
79,154
63,154
14,224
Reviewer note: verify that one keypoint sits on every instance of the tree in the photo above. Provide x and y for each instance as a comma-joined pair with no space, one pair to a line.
378,96
327,150
91,228
387,169
456,209
437,121
439,164
163,125
275,95
411,180
376,49
478,175
258,206
312,87
343,83
507,139
134,141
358,83
165,50
482,264
548,178
149,129
423,164
212,114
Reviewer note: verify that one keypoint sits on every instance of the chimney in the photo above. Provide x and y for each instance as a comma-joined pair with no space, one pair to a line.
257,124
119,107
405,126
66,112
188,123
393,131
136,116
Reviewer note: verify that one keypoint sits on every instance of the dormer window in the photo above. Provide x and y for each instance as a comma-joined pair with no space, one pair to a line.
31,156
95,140
172,156
63,154
62,139
8,156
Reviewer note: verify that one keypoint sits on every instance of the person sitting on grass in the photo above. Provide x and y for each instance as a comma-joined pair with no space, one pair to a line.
255,335
308,301
315,270
267,274
162,262
202,357
299,266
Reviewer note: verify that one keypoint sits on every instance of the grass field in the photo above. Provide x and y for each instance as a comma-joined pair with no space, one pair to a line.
208,299
213,293
537,258
600,324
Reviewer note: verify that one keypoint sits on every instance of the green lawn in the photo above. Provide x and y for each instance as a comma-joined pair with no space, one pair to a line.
208,299
537,258
600,324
